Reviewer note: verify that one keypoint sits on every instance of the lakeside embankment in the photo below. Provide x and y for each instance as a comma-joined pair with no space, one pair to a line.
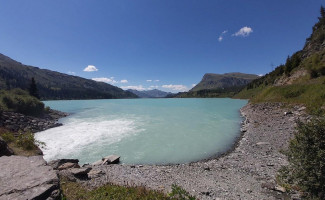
16,122
247,172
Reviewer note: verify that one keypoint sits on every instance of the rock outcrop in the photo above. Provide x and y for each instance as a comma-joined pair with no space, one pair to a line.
16,121
4,149
24,178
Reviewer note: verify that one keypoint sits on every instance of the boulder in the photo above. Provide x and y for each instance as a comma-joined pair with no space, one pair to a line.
95,173
27,178
68,165
80,171
56,163
4,149
112,159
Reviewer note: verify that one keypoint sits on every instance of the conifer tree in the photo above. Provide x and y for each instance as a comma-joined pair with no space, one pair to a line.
33,91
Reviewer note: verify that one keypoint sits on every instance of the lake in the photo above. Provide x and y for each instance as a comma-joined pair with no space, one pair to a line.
143,131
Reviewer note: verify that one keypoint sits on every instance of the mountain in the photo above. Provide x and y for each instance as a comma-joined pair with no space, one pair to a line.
218,85
55,85
150,93
301,80
216,81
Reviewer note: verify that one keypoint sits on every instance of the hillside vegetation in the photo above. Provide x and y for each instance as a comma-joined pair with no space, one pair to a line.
212,81
150,93
218,85
300,80
20,101
55,85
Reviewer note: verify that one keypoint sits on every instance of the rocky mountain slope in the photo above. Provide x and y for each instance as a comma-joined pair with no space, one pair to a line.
150,93
55,85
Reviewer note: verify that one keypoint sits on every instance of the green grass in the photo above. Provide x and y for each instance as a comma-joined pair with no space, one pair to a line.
311,93
76,191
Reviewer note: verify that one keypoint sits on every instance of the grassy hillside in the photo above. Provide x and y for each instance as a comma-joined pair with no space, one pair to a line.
300,80
55,85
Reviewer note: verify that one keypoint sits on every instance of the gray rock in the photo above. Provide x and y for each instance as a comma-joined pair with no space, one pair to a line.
80,171
4,149
95,173
27,178
68,165
112,159
280,189
98,162
56,163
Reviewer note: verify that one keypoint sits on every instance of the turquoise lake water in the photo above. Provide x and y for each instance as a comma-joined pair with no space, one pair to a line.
143,131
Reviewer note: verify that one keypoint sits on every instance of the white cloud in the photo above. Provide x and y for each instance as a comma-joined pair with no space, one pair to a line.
134,87
180,88
153,86
221,35
260,74
193,85
124,81
149,80
90,68
157,80
105,80
72,73
244,32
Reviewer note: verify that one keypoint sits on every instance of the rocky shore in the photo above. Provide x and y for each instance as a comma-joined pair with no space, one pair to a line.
247,172
18,122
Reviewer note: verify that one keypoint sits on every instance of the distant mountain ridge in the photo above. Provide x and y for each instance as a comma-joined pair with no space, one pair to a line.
212,81
150,93
55,85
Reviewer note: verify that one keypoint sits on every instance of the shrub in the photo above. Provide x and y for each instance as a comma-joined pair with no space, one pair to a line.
18,100
306,155
8,137
27,141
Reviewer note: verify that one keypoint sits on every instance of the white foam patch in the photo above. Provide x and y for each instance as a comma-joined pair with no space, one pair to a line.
77,134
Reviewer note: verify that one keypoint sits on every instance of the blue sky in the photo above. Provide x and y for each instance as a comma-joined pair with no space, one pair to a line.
164,44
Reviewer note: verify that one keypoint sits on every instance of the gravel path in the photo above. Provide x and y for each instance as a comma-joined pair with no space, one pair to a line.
241,174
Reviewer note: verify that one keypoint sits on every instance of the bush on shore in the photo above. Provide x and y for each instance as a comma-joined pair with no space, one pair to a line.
306,155
20,101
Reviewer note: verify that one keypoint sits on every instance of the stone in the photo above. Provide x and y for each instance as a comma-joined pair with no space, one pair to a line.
56,163
280,189
112,159
263,143
288,113
68,165
98,162
80,173
4,149
95,173
24,178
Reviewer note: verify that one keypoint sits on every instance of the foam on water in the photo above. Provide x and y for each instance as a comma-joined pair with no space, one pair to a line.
78,134
143,131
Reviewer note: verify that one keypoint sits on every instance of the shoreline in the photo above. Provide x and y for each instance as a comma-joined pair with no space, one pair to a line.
246,171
